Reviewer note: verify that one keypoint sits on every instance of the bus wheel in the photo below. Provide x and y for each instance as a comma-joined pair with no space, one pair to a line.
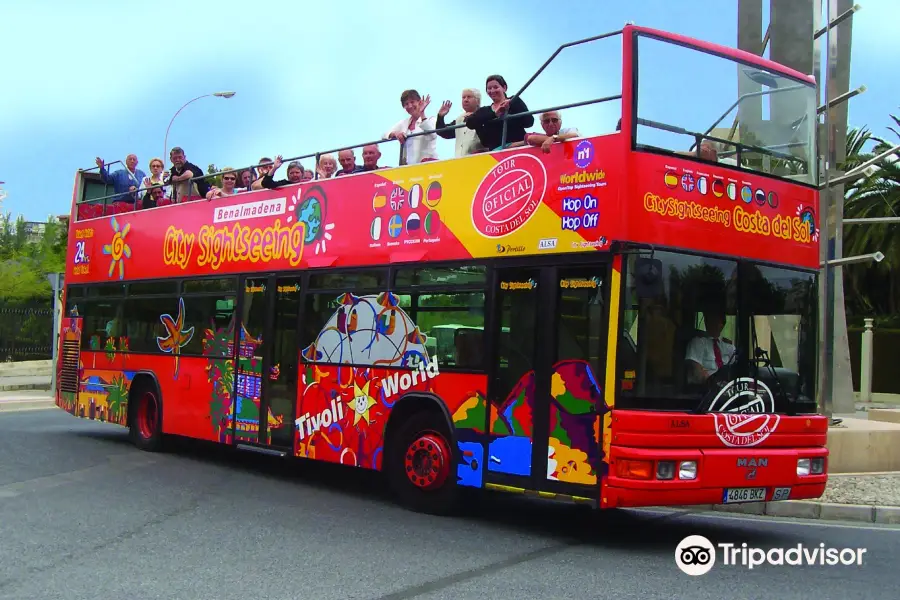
146,420
421,462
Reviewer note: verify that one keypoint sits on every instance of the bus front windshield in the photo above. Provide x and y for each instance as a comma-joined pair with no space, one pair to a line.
712,335
693,102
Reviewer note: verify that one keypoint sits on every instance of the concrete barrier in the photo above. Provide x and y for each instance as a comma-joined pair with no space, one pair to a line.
885,415
864,446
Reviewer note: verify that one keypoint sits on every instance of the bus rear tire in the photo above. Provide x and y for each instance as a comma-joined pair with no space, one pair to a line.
145,423
420,465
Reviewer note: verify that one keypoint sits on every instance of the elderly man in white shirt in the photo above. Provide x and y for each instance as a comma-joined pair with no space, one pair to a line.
551,122
467,141
422,147
707,354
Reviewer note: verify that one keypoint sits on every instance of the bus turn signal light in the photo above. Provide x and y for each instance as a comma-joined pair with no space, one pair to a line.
634,469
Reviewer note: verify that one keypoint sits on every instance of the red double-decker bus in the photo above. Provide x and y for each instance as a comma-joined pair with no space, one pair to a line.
629,319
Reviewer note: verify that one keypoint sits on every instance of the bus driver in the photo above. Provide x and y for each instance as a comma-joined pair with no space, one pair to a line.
707,354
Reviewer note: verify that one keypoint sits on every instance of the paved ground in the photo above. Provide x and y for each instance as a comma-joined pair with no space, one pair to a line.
85,515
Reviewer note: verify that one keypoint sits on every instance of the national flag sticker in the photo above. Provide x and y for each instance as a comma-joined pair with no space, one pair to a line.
701,184
435,192
415,196
432,223
687,182
413,222
773,199
395,226
671,179
732,191
375,230
379,200
760,197
746,194
718,188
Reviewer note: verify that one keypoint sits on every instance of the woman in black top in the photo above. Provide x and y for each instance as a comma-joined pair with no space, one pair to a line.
486,120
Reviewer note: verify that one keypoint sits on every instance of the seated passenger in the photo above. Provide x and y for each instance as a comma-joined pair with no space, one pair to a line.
265,167
708,151
125,181
229,179
467,141
486,120
371,154
347,159
707,354
308,175
422,147
294,173
245,179
553,132
154,197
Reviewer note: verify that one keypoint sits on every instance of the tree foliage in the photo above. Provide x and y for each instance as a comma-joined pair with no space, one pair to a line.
872,289
27,257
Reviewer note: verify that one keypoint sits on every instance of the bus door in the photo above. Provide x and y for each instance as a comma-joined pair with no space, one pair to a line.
265,374
549,347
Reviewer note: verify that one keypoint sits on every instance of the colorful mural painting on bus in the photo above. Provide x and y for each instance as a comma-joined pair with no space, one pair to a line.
576,407
376,355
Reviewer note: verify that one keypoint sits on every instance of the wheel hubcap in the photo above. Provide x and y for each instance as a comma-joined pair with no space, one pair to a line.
427,461
147,415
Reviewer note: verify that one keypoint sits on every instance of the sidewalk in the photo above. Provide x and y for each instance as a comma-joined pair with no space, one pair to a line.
25,400
25,382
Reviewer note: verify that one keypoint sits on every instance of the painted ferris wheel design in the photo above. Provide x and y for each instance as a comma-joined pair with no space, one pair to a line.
311,208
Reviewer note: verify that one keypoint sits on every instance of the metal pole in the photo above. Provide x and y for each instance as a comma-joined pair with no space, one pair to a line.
865,362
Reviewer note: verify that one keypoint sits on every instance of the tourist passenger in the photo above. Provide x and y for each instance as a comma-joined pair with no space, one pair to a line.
264,168
486,121
467,141
180,177
371,154
229,179
295,173
326,167
154,196
551,121
347,158
245,179
708,151
707,354
422,147
125,181
308,175
157,177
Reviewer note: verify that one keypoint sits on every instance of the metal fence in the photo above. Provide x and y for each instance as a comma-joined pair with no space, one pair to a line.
26,333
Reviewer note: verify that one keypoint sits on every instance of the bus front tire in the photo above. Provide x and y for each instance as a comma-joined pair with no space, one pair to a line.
145,423
421,463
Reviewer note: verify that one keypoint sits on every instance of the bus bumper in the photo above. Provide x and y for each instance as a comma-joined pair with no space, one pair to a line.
656,477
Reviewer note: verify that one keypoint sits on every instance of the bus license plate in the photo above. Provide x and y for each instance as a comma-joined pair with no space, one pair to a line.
734,495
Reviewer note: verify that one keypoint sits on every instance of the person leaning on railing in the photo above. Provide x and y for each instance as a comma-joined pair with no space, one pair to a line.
551,121
422,147
182,172
467,141
229,180
487,123
265,167
125,181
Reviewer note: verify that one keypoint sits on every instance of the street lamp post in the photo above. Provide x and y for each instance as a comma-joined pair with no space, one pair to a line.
216,94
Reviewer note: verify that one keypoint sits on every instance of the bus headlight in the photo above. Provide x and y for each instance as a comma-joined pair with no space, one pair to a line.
687,469
665,469
803,467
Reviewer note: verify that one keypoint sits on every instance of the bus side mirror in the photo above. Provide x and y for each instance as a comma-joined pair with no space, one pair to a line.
648,277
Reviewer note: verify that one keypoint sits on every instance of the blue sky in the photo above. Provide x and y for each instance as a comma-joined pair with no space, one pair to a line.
104,78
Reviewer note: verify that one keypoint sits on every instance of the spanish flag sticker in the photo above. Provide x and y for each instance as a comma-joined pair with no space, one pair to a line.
671,179
379,200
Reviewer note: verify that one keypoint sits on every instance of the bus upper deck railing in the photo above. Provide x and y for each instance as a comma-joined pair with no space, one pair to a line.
505,118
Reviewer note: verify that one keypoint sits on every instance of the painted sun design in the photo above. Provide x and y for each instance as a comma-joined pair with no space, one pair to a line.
177,337
806,214
118,249
361,403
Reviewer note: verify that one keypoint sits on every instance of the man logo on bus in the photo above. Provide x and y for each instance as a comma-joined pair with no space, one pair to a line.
584,154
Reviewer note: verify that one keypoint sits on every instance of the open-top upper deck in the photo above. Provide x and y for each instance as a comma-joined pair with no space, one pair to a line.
648,184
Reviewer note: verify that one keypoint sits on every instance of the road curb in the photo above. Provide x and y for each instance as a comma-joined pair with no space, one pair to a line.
29,404
20,387
805,509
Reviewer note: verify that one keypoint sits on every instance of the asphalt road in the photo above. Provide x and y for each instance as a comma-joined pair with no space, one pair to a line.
85,515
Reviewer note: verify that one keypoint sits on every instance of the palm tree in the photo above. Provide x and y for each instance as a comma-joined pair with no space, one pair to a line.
873,289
